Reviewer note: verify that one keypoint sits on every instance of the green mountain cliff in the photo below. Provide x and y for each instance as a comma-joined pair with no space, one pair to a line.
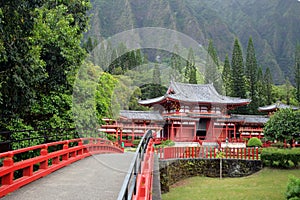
273,24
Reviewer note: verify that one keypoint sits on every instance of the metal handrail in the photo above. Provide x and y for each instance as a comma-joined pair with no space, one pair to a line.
129,185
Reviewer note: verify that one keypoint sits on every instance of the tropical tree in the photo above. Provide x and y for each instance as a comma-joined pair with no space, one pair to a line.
40,55
133,102
284,125
285,93
104,95
40,44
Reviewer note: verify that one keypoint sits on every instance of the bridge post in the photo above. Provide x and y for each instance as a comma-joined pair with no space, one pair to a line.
7,162
44,152
80,151
65,156
142,192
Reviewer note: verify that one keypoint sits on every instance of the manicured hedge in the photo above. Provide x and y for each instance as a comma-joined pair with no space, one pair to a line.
274,157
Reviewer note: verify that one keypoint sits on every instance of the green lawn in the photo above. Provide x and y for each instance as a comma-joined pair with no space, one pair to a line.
266,184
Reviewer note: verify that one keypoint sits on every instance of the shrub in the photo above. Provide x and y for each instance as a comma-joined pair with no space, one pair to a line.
166,143
111,137
254,142
293,189
278,145
136,142
281,158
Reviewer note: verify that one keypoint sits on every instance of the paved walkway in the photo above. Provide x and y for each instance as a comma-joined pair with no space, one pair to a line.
96,177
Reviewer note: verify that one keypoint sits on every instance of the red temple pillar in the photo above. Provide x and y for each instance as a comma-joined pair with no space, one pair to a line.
213,129
117,136
172,131
132,135
121,135
132,132
169,131
234,132
195,131
226,131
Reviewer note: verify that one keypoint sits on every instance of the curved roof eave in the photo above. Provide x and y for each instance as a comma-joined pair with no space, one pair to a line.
241,102
172,97
152,101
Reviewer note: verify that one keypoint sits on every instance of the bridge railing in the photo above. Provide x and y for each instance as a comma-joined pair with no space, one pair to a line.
46,159
138,181
208,152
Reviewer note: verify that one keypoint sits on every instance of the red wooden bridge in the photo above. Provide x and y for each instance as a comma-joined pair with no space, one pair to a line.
106,173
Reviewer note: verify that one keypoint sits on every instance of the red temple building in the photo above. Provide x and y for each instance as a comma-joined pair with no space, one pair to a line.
189,113
132,125
194,112
270,109
246,126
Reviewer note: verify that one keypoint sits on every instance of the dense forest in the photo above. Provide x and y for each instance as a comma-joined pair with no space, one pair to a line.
57,76
40,53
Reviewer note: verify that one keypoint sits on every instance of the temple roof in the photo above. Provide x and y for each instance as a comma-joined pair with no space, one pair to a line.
275,106
141,115
246,119
195,93
156,116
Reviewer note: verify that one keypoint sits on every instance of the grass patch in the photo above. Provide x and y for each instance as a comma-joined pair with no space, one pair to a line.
266,184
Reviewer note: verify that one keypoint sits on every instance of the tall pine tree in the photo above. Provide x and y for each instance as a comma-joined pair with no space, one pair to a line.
268,86
193,76
156,74
156,89
260,88
176,65
251,75
237,71
297,72
288,88
190,69
226,77
251,68
212,74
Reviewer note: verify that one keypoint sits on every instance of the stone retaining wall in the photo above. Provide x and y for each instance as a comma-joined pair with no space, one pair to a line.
174,170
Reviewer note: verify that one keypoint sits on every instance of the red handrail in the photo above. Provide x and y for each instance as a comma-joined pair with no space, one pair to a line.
208,152
145,178
48,162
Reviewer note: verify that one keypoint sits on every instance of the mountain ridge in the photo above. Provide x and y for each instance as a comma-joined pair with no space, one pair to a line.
273,25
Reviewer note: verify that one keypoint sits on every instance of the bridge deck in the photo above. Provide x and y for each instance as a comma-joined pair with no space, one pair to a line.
96,177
